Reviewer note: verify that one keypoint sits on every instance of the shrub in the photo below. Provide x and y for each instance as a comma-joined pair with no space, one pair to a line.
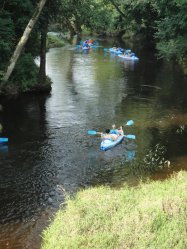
54,41
25,73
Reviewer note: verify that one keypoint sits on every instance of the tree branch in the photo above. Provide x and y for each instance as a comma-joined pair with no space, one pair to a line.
117,8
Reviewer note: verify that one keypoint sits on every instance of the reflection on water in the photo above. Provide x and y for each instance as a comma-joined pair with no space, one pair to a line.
3,149
49,151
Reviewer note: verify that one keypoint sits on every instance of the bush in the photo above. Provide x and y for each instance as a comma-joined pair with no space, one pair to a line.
54,41
25,74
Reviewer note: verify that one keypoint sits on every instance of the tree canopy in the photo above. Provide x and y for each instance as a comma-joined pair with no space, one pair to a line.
163,23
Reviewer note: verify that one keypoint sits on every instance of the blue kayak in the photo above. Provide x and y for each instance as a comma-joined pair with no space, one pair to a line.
108,144
3,139
116,51
85,48
129,58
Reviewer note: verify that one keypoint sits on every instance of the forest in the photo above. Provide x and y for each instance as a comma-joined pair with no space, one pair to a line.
161,24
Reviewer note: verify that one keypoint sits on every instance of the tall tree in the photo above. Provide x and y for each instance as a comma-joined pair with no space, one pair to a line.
43,39
50,13
23,40
172,29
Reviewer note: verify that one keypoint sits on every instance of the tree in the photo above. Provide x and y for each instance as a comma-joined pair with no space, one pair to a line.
7,34
42,70
23,40
171,32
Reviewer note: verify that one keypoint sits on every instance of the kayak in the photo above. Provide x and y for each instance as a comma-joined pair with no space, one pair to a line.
94,46
3,139
115,51
108,144
82,47
85,48
131,58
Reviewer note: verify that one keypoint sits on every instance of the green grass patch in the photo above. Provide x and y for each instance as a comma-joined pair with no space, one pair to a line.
152,215
53,41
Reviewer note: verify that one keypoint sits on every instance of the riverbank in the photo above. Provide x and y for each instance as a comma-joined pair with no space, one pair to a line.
152,215
54,41
24,85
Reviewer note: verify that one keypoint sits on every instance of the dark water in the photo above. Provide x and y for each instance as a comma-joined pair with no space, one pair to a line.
49,150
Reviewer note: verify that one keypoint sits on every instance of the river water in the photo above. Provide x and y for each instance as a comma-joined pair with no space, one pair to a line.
49,151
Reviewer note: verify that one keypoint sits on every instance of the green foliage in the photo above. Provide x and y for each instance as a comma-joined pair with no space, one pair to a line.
173,48
163,22
20,12
93,15
138,17
6,37
172,29
14,17
25,73
102,18
54,41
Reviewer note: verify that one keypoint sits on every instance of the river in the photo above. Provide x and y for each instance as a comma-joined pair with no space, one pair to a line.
49,151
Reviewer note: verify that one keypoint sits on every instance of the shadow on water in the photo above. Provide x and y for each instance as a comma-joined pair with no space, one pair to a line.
49,151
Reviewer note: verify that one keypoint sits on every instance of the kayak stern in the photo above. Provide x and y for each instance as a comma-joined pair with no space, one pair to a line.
108,144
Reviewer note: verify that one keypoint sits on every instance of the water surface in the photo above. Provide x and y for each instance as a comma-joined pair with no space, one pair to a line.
49,151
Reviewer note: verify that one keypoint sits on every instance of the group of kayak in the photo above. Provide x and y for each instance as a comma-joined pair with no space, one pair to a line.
126,54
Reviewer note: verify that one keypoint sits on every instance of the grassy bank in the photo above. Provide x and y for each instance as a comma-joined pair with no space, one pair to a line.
53,41
152,215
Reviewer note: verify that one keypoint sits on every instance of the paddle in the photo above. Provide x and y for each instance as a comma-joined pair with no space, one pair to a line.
130,136
130,122
93,132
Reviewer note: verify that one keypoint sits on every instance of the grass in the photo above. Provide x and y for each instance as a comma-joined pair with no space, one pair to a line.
152,215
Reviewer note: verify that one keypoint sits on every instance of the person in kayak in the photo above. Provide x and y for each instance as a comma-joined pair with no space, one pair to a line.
85,44
118,131
112,134
90,42
108,136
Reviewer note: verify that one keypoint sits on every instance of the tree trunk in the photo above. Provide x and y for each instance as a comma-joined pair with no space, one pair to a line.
23,40
42,71
71,29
